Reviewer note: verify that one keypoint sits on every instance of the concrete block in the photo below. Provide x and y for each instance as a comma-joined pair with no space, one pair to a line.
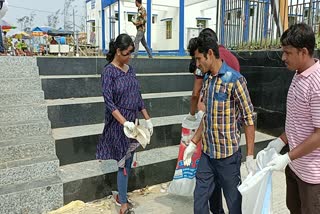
34,128
19,71
8,61
17,85
35,197
15,113
26,170
21,98
26,147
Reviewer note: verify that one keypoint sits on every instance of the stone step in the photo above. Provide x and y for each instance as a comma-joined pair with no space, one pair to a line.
59,87
26,170
86,111
18,71
19,84
78,143
26,147
91,180
95,179
22,113
94,65
31,128
21,98
37,196
8,61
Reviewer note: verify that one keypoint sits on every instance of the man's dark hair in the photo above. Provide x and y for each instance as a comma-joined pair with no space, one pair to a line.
192,46
299,36
209,32
204,43
139,1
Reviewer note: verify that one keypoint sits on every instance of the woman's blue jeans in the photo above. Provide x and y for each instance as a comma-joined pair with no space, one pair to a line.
122,180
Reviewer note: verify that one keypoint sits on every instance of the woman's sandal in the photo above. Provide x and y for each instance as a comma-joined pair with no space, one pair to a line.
128,211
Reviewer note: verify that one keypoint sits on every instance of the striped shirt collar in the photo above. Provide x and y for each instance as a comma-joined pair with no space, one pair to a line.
311,69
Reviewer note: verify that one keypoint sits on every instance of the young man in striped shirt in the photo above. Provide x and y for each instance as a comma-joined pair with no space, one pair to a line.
302,129
225,96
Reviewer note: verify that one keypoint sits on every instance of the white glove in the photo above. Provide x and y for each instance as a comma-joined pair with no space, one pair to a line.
277,144
280,162
191,117
250,164
188,152
130,125
149,126
200,114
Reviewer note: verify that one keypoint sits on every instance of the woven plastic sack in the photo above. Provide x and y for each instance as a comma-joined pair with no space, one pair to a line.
184,180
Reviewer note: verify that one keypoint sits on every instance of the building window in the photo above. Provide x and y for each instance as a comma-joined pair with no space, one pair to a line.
251,11
116,16
154,19
93,26
169,29
201,23
130,16
93,4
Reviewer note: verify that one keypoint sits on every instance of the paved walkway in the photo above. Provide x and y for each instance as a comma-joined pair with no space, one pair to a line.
153,200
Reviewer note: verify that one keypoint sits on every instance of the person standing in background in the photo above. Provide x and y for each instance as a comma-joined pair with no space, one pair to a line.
140,23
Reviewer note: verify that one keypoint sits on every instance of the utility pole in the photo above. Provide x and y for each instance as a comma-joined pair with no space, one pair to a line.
75,34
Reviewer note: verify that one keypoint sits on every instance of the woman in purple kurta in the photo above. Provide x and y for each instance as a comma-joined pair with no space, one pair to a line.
123,102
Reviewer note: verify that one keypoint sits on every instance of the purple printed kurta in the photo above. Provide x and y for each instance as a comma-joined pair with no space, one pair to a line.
120,91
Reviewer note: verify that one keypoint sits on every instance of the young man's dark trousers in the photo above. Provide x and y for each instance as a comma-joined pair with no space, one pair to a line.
226,171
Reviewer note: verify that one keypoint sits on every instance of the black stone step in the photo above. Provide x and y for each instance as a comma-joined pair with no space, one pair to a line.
90,86
93,113
90,65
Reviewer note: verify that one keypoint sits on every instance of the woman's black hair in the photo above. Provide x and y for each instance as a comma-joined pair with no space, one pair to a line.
123,42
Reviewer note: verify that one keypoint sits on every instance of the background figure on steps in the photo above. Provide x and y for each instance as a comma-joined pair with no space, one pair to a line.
140,23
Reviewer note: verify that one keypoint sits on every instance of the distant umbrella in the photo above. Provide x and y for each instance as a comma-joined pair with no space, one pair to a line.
21,35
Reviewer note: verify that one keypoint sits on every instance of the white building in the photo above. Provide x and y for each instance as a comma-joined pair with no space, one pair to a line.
171,23
108,18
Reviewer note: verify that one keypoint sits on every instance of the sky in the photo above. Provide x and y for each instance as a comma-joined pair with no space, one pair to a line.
42,8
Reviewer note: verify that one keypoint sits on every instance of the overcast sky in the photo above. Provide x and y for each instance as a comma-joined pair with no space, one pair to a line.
42,8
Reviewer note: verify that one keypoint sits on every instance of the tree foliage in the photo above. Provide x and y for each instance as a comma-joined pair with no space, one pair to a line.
53,19
68,13
26,22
